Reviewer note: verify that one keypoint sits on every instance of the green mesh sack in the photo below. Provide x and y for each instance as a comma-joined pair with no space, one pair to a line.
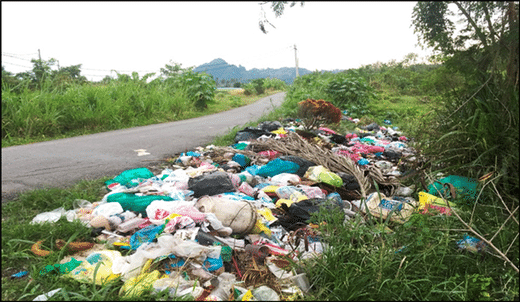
454,186
132,202
130,178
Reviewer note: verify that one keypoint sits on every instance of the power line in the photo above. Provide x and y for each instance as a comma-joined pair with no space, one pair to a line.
17,54
16,64
4,54
208,68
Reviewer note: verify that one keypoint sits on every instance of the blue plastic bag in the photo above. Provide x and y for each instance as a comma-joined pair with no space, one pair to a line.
277,166
147,234
241,159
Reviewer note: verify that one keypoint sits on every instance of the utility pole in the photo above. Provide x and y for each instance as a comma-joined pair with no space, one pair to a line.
296,60
39,56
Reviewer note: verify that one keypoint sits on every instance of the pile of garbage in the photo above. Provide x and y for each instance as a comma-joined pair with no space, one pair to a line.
225,223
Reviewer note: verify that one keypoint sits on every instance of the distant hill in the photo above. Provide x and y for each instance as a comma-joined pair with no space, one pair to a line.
223,72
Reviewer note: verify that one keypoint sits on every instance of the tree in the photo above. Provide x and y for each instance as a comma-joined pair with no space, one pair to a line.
42,68
470,132
278,8
490,34
74,71
171,70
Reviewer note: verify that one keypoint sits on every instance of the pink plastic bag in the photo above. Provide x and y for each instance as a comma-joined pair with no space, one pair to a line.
246,189
329,131
271,154
312,192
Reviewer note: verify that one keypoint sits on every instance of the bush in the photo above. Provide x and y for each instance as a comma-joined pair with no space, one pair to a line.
258,85
249,89
313,112
349,90
273,83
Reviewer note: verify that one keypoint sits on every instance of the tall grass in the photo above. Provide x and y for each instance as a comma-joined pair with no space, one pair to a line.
53,111
418,260
476,134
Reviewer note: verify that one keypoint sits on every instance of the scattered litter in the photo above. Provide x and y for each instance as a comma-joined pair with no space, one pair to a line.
19,275
46,296
472,244
141,152
223,222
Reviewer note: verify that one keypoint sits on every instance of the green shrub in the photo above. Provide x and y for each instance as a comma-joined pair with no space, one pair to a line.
273,83
348,91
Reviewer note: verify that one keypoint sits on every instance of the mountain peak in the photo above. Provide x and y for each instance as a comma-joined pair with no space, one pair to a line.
222,71
218,61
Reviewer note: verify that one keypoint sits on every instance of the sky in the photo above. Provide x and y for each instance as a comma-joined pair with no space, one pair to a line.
145,36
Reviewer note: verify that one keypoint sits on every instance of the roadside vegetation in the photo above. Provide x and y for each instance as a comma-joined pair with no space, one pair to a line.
44,106
460,111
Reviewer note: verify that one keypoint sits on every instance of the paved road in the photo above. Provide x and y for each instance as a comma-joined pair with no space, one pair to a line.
63,162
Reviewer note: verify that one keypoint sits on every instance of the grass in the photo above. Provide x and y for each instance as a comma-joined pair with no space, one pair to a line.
417,260
30,116
18,235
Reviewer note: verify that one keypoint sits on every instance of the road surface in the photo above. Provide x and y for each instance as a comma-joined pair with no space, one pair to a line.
63,162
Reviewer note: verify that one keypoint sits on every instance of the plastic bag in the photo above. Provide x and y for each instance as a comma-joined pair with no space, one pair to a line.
271,154
472,244
130,178
224,287
311,192
246,189
277,166
250,133
269,125
135,203
285,179
85,271
241,159
147,234
51,216
303,163
264,293
211,184
238,215
179,222
299,213
158,207
178,287
285,192
381,206
322,174
134,287
349,181
191,249
107,209
46,296
455,186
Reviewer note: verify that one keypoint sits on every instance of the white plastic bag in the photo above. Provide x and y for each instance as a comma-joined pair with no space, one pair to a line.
51,216
107,209
46,296
284,179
